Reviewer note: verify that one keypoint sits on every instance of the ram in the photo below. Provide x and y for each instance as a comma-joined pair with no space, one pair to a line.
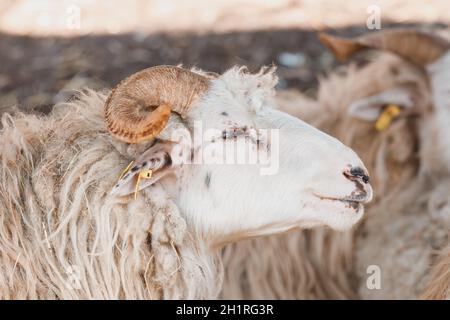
393,113
108,197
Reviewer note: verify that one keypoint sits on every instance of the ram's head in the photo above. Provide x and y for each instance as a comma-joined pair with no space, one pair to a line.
235,166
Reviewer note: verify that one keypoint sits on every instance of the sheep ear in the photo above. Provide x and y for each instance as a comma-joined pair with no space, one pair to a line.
370,108
148,168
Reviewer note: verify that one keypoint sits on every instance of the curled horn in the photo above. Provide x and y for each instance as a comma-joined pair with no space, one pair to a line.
139,107
419,47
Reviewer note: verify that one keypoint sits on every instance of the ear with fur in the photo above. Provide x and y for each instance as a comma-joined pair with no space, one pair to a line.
256,88
262,86
147,169
370,108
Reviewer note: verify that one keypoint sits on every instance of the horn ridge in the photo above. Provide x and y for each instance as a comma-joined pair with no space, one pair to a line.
139,107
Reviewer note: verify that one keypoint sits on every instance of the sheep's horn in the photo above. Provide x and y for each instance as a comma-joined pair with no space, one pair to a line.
139,107
419,47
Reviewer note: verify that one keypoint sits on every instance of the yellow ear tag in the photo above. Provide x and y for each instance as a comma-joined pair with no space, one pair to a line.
390,112
144,174
126,170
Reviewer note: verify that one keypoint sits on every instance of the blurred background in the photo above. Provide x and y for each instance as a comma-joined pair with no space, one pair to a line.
50,47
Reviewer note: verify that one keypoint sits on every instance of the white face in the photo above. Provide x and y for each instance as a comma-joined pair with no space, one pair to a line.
311,179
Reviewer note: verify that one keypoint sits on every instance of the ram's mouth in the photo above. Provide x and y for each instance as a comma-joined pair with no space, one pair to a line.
356,205
353,202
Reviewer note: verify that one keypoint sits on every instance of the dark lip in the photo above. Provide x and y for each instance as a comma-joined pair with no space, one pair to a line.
351,203
354,202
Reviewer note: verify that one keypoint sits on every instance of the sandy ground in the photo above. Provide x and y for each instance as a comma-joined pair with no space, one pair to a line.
56,17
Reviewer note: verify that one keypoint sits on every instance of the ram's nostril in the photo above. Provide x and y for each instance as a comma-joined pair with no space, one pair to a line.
359,173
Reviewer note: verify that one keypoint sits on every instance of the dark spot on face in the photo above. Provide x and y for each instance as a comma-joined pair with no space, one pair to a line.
208,179
224,113
168,159
126,176
224,134
144,163
135,168
394,70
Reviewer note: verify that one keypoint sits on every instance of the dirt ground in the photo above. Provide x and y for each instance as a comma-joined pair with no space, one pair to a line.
41,63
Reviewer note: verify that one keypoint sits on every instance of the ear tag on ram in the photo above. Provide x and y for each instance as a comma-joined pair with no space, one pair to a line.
390,112
143,174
